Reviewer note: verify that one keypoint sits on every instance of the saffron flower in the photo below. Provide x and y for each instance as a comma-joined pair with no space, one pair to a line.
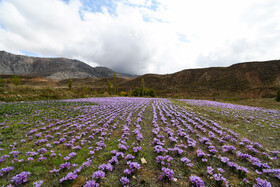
210,170
38,183
166,172
224,159
69,176
197,181
262,183
6,170
91,183
98,174
124,180
200,153
20,178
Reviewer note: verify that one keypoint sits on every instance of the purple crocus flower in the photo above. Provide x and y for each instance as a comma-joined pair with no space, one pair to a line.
159,149
55,171
20,178
69,176
91,183
42,150
98,174
210,170
204,160
228,148
6,170
109,167
48,145
127,171
197,181
129,156
113,159
41,158
166,172
224,159
122,147
200,153
185,160
262,183
136,149
67,158
14,153
221,170
124,180
133,165
38,183
102,167
65,165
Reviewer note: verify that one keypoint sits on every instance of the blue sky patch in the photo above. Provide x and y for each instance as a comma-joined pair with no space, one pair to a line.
154,6
98,5
28,53
2,27
110,5
182,37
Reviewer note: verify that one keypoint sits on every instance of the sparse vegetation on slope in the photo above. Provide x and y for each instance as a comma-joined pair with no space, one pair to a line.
278,96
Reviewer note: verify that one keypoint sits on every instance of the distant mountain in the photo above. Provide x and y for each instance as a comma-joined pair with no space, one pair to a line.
54,68
243,80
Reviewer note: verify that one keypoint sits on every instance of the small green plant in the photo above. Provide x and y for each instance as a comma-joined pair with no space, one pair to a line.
105,94
16,80
109,87
136,92
115,86
143,92
70,84
3,83
176,96
151,92
86,90
142,88
278,96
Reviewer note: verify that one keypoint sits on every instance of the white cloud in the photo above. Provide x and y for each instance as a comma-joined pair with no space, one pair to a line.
144,36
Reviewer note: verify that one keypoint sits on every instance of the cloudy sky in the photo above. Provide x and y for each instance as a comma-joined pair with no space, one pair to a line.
143,36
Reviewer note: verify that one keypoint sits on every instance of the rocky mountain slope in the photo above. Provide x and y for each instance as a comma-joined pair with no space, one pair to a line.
54,68
243,80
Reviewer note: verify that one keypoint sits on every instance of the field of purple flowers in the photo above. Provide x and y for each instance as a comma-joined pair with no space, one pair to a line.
136,142
257,123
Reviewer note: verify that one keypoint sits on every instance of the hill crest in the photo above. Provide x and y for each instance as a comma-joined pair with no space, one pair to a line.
53,68
243,80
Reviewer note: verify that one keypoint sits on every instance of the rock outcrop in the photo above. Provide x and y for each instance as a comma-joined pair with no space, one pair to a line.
54,68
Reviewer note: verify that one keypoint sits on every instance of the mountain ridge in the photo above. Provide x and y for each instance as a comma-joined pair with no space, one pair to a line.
259,79
247,79
53,68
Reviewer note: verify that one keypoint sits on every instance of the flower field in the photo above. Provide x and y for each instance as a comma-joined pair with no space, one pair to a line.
122,141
